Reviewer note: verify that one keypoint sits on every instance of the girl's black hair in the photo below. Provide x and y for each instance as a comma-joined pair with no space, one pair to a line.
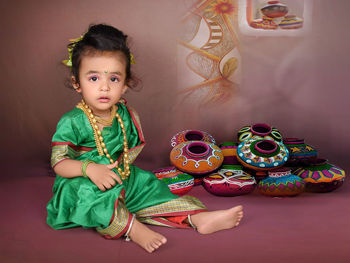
101,38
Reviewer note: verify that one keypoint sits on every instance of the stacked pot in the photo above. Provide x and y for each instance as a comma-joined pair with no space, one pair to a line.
262,151
260,156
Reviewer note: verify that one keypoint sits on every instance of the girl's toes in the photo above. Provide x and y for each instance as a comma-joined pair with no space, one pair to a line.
155,245
150,249
158,243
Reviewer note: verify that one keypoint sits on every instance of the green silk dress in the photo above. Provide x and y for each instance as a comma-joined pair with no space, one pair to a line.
79,202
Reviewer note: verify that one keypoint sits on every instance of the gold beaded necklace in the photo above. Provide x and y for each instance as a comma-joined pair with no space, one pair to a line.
100,145
107,122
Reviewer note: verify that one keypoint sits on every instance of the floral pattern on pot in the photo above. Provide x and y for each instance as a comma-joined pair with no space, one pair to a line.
259,131
231,180
191,135
196,157
281,182
178,182
320,176
262,154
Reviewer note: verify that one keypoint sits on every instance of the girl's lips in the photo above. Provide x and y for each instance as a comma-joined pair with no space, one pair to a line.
104,99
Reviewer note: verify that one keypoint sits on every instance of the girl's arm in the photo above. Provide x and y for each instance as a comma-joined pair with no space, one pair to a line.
100,174
69,168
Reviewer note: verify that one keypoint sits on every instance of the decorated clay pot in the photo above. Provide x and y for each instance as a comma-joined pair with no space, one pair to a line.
320,176
298,150
178,182
198,179
274,9
262,154
229,150
191,135
231,180
264,23
259,131
281,182
196,157
257,174
291,22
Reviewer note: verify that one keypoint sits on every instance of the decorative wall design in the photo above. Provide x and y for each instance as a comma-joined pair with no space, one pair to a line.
209,53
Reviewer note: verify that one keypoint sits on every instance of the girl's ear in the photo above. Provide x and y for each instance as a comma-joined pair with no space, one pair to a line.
125,88
75,84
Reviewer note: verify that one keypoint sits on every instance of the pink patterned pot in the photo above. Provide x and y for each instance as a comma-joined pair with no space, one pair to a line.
231,180
191,135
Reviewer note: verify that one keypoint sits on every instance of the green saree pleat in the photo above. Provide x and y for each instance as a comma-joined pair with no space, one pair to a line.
79,202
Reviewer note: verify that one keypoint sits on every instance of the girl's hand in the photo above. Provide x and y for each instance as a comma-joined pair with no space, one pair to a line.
103,176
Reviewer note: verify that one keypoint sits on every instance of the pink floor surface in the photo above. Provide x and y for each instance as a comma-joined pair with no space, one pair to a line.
307,228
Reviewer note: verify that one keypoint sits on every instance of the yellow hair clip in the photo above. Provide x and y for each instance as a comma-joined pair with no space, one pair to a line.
74,41
132,61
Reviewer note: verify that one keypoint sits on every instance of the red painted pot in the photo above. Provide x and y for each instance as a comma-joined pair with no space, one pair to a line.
231,180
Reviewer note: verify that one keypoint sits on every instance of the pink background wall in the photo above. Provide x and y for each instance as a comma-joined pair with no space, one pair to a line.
299,85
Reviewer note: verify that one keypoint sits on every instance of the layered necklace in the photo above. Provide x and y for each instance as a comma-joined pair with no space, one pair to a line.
108,122
100,145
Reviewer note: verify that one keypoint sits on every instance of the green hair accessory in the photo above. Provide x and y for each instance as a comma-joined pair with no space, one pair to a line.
132,61
73,42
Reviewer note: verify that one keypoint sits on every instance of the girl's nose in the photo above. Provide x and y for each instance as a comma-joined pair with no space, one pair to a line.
104,86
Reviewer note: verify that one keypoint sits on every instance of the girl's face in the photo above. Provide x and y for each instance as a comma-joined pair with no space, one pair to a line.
102,81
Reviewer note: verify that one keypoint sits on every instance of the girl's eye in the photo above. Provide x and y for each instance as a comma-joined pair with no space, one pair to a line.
93,78
114,79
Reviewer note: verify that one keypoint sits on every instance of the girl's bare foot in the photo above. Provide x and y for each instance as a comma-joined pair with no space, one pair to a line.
210,222
145,237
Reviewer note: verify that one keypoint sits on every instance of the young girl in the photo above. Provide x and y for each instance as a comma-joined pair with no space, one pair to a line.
93,148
